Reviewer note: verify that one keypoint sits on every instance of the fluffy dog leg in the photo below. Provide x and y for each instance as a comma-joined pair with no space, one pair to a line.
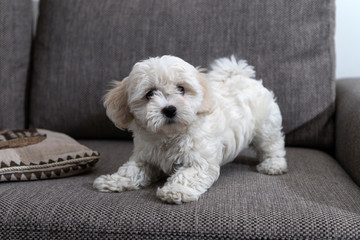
269,145
132,175
187,184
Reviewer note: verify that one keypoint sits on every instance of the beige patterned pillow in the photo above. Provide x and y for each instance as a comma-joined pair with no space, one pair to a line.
19,138
41,154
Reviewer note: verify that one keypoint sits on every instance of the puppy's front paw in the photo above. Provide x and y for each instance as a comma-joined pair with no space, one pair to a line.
272,166
112,183
177,193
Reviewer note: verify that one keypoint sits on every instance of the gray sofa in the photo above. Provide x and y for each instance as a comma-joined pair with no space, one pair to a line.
56,81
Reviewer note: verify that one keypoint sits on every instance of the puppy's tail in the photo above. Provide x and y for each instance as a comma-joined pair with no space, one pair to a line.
223,68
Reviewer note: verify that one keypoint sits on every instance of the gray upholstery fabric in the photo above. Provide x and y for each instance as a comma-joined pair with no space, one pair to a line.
82,45
318,133
348,126
316,199
15,42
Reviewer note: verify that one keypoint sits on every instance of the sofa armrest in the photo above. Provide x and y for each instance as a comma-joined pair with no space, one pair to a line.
348,126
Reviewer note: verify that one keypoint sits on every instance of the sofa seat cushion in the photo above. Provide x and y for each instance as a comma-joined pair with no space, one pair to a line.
315,199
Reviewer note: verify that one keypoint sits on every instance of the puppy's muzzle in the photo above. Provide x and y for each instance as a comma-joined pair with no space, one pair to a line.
169,111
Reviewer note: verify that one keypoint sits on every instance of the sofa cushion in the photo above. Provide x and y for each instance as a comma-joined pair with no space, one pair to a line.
316,199
43,154
82,45
15,44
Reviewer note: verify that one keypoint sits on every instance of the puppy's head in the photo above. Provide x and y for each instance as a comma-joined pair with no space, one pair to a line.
162,95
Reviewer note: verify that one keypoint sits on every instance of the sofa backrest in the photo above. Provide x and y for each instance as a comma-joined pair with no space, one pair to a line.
15,45
81,45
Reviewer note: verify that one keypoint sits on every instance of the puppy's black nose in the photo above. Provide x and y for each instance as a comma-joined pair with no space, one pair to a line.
169,111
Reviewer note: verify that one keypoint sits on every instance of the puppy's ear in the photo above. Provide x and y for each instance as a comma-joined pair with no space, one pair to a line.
116,104
207,103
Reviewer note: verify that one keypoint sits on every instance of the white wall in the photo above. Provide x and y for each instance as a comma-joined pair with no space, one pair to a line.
347,37
35,12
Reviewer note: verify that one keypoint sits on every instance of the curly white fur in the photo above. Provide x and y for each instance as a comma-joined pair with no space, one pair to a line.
218,114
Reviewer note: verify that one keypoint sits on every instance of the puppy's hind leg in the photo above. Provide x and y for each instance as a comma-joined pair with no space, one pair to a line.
130,176
269,144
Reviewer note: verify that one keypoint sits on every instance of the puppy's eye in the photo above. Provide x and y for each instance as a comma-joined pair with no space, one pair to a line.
181,89
149,94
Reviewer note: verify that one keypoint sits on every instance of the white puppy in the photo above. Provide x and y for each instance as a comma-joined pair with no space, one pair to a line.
187,124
